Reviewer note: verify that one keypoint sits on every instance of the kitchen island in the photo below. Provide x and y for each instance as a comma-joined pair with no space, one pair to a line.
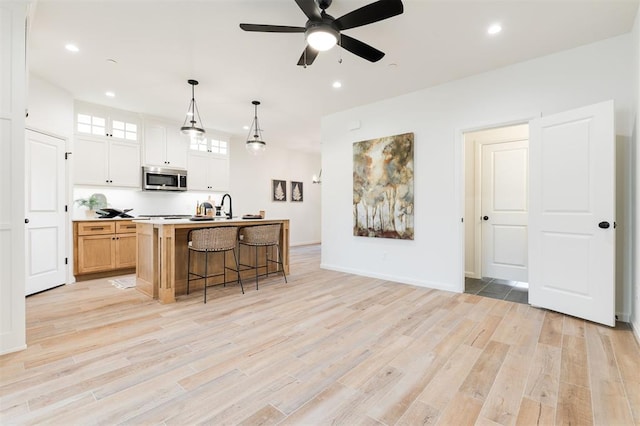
162,248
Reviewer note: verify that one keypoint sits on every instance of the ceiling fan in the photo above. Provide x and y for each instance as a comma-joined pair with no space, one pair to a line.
323,31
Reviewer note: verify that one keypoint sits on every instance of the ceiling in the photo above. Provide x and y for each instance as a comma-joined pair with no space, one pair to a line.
159,45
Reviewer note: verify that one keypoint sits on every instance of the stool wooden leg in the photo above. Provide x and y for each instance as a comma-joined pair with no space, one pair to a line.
238,269
206,262
188,269
281,263
256,266
224,267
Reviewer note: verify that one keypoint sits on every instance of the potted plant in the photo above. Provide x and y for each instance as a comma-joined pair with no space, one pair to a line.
92,203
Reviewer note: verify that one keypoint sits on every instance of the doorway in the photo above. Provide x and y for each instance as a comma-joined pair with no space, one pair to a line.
496,212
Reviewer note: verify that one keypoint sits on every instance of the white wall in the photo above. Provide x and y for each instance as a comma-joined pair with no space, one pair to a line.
50,108
438,116
251,188
635,153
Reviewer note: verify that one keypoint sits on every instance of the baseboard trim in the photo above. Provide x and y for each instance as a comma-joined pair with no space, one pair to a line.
12,350
392,278
636,331
304,243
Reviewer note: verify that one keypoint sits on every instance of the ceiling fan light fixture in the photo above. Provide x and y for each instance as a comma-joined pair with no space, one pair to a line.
322,31
192,129
322,37
255,144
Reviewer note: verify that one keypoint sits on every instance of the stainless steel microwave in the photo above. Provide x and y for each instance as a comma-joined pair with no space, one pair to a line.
163,179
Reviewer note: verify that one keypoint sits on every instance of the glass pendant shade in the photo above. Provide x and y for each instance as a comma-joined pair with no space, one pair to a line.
190,126
255,145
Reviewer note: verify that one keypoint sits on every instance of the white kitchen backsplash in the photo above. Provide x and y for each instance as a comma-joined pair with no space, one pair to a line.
144,202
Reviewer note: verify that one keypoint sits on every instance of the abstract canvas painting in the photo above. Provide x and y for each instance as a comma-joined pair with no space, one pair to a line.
383,187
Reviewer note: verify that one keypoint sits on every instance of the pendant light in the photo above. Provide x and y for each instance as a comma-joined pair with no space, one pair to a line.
256,145
192,128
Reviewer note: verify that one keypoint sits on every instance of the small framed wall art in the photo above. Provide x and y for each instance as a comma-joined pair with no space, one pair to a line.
279,190
297,193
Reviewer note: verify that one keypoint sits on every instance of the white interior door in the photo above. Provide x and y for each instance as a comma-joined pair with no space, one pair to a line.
505,195
572,213
44,196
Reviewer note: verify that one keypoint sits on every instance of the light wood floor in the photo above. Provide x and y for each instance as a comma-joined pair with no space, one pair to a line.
326,348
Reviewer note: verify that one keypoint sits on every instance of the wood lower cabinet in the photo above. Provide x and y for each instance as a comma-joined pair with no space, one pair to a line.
103,248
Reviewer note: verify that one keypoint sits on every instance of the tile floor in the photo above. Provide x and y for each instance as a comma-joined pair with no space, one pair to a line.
513,291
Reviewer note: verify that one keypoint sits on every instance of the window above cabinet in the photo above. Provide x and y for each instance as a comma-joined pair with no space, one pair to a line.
205,144
91,125
124,130
98,120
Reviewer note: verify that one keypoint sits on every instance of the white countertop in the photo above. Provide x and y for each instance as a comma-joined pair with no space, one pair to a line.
160,221
99,219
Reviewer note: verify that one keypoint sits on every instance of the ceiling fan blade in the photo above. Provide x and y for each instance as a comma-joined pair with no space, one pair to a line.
361,49
374,12
308,56
272,28
310,9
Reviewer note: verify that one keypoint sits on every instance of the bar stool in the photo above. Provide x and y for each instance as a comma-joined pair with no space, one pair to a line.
213,240
262,236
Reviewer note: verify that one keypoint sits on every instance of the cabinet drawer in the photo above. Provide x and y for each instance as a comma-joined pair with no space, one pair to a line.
125,227
96,228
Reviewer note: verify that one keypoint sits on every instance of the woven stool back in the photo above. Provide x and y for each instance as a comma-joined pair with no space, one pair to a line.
261,235
214,239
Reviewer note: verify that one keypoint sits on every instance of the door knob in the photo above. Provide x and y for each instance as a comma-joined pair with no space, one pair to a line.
26,221
603,225
485,217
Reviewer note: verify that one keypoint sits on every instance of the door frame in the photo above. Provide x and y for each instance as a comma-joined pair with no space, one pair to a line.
478,182
459,180
68,195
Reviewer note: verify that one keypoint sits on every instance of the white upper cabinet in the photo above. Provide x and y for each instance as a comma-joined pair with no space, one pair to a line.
164,145
208,164
208,172
106,149
102,162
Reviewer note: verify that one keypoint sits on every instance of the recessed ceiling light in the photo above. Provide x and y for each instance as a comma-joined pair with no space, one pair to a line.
112,61
110,94
494,29
71,47
337,85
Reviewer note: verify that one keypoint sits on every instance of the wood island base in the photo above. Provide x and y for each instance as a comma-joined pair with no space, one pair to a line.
162,248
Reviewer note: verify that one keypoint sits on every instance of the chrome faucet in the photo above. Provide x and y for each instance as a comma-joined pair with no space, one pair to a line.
230,214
